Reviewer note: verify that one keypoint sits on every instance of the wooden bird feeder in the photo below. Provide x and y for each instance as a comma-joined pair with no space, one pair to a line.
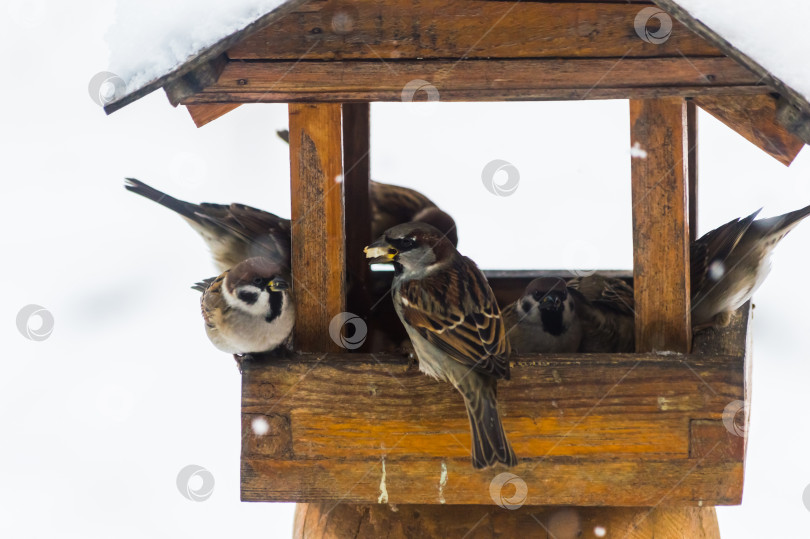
641,445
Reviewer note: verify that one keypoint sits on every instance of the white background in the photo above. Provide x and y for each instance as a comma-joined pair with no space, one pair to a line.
96,421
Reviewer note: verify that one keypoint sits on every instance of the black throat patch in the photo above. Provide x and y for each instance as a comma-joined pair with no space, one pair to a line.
276,301
553,321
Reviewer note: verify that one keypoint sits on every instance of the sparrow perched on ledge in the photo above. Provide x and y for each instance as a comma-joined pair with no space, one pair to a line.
544,319
248,309
392,205
232,232
451,315
729,263
591,314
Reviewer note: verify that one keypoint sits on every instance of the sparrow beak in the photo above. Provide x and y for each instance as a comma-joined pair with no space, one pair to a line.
380,252
278,285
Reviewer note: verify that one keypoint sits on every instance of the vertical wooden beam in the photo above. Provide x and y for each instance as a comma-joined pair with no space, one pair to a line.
356,146
318,247
692,166
661,225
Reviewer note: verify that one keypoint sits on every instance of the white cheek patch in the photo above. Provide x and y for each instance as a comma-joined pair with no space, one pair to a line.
374,252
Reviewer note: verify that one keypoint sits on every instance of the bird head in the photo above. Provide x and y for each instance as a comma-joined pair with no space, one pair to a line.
411,247
257,286
546,294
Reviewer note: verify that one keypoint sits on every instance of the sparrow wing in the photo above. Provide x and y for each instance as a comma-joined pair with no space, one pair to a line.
713,246
266,234
456,311
212,303
605,292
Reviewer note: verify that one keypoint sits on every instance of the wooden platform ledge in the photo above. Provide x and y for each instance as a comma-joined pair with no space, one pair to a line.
619,430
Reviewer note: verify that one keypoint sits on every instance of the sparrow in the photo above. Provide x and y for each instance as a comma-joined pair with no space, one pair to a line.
392,205
544,319
232,232
605,307
729,263
248,309
454,323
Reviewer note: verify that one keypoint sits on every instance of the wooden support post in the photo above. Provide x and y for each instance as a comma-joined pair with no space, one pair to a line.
356,144
318,248
692,166
661,225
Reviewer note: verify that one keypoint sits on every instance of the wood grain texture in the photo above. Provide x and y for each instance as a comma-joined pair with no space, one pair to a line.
661,225
584,426
399,29
329,521
203,114
476,80
755,118
794,119
356,157
681,15
318,247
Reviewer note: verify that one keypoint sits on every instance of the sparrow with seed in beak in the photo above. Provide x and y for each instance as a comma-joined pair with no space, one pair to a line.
729,263
248,309
392,205
544,319
232,232
451,315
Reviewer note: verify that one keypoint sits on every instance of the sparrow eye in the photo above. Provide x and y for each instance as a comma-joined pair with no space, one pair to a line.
406,243
258,281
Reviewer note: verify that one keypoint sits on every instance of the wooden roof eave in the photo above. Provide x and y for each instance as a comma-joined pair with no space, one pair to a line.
793,109
205,56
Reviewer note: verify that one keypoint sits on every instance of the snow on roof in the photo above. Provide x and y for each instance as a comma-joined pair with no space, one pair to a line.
151,38
770,32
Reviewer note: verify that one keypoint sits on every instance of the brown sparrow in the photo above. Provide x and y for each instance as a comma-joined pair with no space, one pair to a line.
544,319
232,232
451,315
729,263
248,309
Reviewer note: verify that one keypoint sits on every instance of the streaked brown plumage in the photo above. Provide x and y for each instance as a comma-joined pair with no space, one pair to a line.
605,309
729,263
248,309
455,325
